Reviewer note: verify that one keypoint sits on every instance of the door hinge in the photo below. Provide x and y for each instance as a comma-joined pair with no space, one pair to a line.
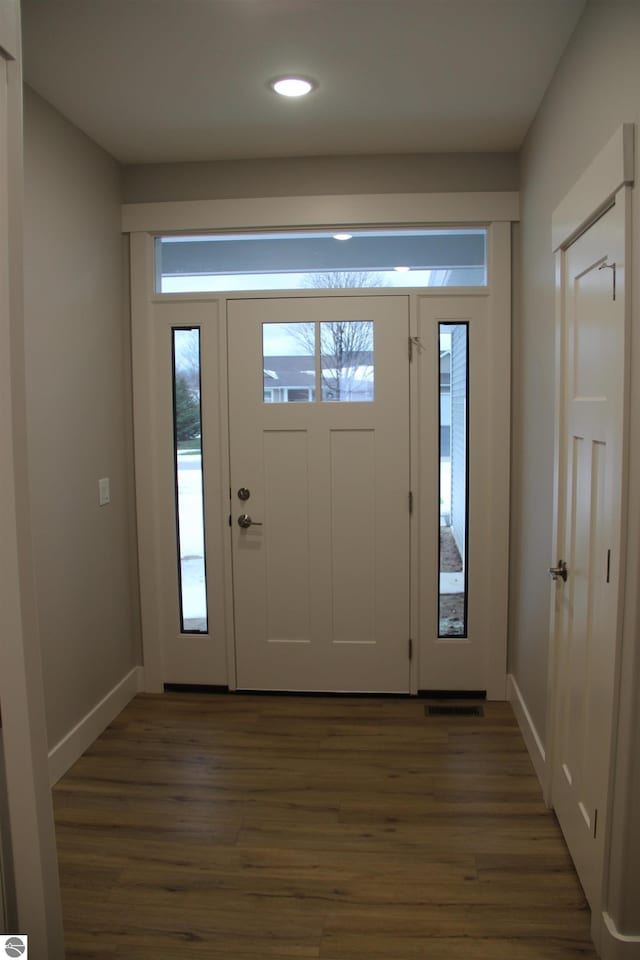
230,522
410,501
417,343
410,648
595,823
612,267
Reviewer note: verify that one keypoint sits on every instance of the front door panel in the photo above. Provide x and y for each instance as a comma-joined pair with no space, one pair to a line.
319,445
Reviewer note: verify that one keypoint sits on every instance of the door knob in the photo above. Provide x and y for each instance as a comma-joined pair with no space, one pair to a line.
559,572
245,521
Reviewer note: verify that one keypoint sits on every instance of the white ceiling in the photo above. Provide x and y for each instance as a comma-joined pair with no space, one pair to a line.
171,80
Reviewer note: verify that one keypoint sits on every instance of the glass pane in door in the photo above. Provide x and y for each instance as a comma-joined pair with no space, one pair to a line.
289,362
454,400
187,421
347,360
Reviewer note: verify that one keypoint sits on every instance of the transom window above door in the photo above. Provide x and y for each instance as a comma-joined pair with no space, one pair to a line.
442,257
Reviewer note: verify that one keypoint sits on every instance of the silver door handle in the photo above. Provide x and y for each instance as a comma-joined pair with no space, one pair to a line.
245,521
559,572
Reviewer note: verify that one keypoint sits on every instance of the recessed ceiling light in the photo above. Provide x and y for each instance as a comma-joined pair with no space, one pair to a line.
292,86
342,236
402,269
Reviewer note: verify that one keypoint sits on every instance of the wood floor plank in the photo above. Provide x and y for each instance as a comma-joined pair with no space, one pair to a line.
86,950
247,827
164,924
461,948
441,837
372,932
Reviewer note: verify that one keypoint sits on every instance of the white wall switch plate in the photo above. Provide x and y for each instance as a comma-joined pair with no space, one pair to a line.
104,491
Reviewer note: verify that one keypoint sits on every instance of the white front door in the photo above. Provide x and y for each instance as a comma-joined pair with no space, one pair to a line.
319,451
587,603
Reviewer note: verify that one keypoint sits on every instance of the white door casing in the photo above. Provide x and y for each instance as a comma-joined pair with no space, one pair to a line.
590,496
4,265
607,179
172,657
321,588
32,889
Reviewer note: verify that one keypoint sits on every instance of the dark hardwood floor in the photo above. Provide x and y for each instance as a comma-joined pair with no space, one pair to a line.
243,827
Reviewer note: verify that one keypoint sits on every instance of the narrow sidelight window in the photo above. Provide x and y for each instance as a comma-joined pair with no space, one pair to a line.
187,432
454,459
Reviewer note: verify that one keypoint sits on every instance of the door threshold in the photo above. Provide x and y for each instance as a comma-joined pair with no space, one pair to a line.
336,694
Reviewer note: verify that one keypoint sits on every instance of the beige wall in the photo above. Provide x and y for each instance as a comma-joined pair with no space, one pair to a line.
595,89
321,176
79,416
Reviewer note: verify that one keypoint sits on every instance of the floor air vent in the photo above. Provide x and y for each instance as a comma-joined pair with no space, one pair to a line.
449,710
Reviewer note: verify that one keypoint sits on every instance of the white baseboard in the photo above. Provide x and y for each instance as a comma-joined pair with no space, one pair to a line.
527,727
613,945
73,745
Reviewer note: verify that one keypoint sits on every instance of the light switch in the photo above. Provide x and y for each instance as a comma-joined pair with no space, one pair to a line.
104,491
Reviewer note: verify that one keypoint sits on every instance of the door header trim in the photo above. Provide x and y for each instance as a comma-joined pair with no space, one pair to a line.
331,211
594,191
